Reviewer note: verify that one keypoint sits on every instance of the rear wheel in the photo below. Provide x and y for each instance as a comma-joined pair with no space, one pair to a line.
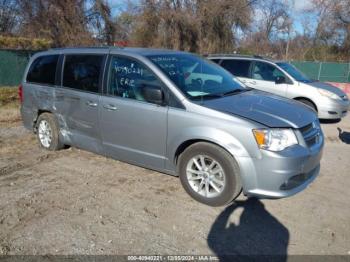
209,174
48,132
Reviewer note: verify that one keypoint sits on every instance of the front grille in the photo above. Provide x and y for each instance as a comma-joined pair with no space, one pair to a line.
312,141
311,134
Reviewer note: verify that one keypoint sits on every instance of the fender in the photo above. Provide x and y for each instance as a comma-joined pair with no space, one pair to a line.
203,133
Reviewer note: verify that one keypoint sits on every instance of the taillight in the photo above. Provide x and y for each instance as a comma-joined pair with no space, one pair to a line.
20,93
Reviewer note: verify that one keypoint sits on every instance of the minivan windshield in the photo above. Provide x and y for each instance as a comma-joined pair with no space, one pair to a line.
197,78
294,72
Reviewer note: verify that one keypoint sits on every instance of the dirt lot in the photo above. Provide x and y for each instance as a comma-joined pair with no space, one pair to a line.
75,202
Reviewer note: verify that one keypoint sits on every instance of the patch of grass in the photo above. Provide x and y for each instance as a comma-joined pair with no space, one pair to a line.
8,96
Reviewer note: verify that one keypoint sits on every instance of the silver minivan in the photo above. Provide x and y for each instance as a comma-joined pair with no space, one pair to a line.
282,78
176,113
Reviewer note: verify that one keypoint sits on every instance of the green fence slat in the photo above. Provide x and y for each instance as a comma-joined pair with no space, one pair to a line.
14,62
12,66
308,68
325,71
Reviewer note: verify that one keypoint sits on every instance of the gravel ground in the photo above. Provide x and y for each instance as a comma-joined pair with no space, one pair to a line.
76,202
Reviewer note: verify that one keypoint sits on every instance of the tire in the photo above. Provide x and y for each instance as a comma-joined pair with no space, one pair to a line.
52,131
230,185
308,103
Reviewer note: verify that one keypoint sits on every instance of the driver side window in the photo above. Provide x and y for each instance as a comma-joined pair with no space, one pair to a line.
128,79
266,72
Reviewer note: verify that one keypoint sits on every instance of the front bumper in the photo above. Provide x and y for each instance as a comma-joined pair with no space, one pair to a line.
333,109
281,174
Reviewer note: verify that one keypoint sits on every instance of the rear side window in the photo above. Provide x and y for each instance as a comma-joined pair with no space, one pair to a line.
43,70
236,67
266,72
82,72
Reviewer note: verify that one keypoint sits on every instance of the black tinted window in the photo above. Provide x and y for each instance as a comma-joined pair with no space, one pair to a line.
43,70
238,68
82,72
129,78
217,61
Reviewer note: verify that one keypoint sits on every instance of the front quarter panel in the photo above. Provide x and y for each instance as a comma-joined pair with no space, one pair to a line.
299,90
234,135
323,103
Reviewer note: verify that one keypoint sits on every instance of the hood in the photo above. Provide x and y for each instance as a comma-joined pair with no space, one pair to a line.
264,108
327,87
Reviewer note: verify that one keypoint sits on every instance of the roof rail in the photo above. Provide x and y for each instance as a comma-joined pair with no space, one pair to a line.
92,47
236,55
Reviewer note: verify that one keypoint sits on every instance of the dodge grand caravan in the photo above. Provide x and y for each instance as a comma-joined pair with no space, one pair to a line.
282,78
176,113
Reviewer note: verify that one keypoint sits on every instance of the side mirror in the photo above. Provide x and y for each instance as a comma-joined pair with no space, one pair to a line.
153,94
280,80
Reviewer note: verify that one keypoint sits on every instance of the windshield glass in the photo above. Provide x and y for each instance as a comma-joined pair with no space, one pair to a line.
197,78
294,72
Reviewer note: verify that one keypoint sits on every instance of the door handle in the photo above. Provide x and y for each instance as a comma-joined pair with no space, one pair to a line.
252,82
92,104
110,107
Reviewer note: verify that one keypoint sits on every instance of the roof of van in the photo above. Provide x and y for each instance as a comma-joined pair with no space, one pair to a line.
132,50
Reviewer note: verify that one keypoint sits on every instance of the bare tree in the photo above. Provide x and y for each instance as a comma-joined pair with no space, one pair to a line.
218,21
126,22
101,22
203,26
68,22
341,11
8,16
146,24
63,21
331,37
194,25
274,18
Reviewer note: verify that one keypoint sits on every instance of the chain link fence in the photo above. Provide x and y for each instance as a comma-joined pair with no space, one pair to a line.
13,64
325,71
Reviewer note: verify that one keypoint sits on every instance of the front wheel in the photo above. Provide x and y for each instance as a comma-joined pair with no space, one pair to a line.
209,174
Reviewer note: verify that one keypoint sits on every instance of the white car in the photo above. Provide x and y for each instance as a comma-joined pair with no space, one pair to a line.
282,78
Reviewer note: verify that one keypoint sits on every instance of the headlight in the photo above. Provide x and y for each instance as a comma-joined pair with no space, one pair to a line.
329,94
275,139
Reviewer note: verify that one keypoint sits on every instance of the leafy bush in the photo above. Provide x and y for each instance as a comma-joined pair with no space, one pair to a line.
24,43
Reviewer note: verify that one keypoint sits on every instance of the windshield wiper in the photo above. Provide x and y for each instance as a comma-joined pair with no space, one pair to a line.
236,91
211,96
207,96
218,95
